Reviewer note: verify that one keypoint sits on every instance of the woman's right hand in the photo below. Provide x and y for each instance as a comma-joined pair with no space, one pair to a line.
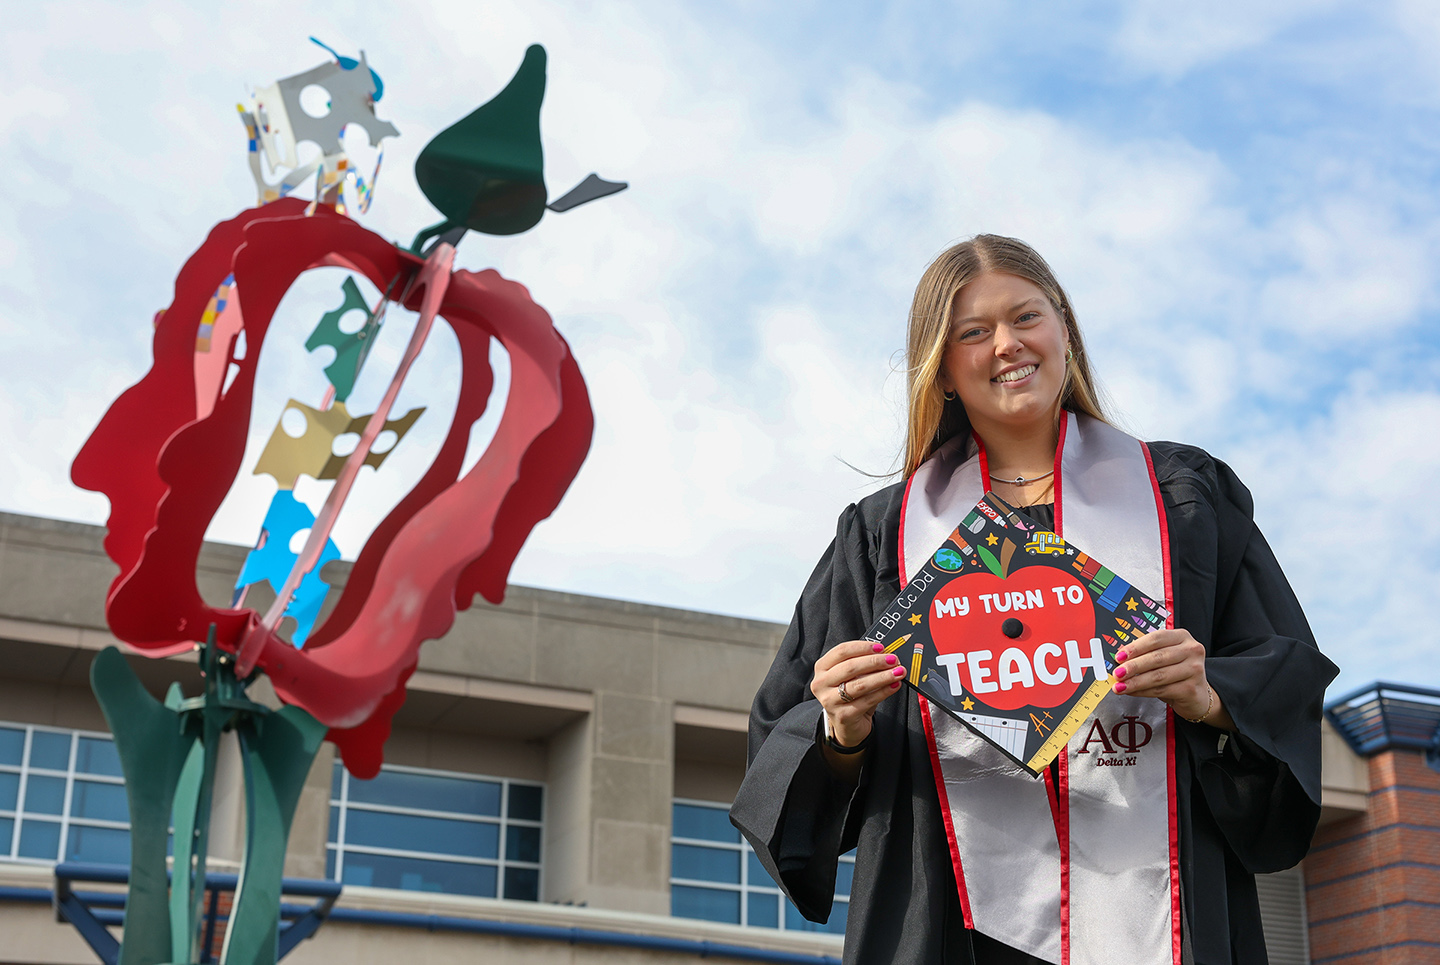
868,674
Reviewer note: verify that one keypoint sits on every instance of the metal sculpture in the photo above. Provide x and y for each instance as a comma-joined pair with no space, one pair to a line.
169,448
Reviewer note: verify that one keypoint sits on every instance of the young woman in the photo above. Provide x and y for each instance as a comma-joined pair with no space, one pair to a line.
960,856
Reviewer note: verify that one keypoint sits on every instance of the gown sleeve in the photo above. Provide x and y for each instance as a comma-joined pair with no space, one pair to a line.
796,813
1262,784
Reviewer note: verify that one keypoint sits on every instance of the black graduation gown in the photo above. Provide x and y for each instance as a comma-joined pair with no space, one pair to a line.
1247,807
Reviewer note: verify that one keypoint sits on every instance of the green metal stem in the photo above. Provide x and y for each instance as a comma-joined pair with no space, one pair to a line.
425,234
168,753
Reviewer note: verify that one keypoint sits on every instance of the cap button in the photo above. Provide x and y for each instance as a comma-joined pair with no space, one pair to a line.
1012,628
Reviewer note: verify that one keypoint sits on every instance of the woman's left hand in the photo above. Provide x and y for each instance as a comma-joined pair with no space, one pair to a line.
1170,666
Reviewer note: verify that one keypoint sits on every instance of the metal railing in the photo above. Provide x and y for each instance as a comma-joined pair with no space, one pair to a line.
1386,716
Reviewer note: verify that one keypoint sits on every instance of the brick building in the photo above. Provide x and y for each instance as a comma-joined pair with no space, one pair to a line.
556,791
1373,880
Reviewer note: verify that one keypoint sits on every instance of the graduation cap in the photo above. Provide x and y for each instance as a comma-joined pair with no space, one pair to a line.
486,172
1013,631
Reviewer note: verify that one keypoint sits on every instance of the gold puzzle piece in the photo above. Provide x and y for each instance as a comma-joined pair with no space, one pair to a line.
398,426
286,458
313,454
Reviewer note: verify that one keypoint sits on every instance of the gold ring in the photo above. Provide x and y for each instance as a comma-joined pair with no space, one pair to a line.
843,695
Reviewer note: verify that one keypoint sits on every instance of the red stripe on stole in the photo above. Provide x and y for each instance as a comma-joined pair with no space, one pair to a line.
1059,451
1062,835
900,548
984,463
1061,812
1175,918
945,812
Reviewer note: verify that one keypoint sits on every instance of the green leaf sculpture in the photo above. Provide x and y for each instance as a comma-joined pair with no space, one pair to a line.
486,172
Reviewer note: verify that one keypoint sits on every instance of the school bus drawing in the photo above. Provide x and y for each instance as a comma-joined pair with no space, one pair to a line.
1046,544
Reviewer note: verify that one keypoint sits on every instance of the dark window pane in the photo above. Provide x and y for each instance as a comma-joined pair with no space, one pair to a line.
522,884
39,839
759,877
105,802
710,824
330,864
428,792
417,874
525,801
844,874
337,777
705,864
12,745
522,844
408,832
50,750
794,921
764,911
44,795
100,845
7,834
9,793
97,755
334,825
711,904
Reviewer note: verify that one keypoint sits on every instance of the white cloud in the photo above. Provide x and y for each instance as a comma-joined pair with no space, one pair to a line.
1344,502
1171,39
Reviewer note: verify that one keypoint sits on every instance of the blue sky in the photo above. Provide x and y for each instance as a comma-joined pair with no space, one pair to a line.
1241,199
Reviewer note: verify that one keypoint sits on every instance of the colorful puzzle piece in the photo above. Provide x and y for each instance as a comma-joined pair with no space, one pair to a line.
366,191
313,454
284,123
286,457
272,561
398,426
351,349
276,123
219,325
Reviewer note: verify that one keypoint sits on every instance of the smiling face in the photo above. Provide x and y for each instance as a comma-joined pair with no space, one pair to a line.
1005,354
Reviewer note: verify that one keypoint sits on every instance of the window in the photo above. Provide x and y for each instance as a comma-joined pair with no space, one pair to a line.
715,875
420,830
62,796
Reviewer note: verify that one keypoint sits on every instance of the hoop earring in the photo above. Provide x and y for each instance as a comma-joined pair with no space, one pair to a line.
949,396
1069,355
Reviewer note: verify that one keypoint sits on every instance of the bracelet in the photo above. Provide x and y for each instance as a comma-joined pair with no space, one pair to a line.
1208,707
840,748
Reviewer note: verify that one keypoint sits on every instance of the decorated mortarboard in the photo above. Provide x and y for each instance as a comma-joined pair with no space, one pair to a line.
1013,631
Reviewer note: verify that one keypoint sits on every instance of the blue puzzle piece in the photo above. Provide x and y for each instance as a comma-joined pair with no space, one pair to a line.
273,562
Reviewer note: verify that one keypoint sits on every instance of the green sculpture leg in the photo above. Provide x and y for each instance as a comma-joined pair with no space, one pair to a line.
278,751
184,896
153,747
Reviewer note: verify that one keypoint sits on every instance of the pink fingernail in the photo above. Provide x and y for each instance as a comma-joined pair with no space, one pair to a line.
894,685
879,648
899,671
890,658
1119,688
1121,655
1120,672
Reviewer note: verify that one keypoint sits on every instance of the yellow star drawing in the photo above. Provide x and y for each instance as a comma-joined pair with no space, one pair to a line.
967,704
991,539
1130,604
915,619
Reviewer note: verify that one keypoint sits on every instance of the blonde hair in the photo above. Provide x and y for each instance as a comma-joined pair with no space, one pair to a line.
932,419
